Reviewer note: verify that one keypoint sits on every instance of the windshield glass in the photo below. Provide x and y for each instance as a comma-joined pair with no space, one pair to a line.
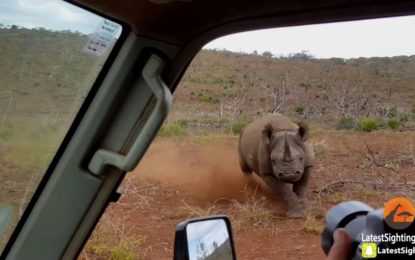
50,55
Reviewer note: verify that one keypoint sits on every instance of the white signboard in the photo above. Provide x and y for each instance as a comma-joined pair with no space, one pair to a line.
103,37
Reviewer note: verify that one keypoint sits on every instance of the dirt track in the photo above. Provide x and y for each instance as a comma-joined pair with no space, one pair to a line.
184,178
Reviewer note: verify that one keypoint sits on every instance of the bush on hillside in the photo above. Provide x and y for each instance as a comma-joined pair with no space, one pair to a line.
169,130
346,123
393,124
369,124
238,127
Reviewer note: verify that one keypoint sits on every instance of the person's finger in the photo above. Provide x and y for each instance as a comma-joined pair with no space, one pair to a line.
342,246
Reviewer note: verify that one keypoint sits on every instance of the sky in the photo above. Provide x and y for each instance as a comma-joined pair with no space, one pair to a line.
49,14
369,38
207,232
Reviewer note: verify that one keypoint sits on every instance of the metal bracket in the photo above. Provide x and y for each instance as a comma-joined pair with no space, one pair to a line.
151,74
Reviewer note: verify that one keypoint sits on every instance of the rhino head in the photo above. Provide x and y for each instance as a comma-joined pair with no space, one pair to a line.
286,151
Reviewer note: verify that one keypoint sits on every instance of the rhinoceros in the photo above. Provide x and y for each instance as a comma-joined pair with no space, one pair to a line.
276,149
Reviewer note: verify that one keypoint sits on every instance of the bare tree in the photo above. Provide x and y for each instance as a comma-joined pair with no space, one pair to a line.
230,106
202,250
278,92
349,101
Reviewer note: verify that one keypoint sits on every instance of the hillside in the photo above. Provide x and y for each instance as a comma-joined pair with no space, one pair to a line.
220,88
48,67
226,86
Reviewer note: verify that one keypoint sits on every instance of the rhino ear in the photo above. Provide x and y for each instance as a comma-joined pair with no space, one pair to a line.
267,134
303,131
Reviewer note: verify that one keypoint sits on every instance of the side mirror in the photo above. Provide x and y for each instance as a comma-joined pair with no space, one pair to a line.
205,238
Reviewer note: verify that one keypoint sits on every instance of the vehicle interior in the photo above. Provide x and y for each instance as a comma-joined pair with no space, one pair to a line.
130,97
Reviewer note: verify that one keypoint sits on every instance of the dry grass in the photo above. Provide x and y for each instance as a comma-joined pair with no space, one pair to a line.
112,239
197,211
314,221
320,147
354,191
136,196
253,212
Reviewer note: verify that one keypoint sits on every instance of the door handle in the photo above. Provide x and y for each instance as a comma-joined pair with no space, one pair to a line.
102,157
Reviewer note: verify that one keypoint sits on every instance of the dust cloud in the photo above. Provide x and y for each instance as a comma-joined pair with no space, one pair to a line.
206,169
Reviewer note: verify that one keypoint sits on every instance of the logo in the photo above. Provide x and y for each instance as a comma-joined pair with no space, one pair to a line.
369,250
399,213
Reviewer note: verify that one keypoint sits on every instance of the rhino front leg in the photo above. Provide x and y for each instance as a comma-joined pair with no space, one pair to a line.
300,188
294,209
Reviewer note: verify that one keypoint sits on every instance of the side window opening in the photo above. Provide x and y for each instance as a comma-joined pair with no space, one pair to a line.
355,93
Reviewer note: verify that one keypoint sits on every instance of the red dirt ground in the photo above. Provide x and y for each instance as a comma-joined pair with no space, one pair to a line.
189,177
205,176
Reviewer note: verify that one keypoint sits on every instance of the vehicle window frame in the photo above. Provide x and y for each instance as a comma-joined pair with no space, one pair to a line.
176,72
125,31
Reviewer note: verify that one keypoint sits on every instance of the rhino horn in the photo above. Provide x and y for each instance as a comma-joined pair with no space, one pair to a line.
287,152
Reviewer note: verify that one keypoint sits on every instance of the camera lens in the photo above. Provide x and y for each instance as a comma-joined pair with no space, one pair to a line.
350,215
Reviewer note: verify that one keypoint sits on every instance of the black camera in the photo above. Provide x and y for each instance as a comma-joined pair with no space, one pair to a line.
372,235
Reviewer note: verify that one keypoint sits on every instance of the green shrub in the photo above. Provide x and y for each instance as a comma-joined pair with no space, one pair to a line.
183,123
306,86
315,128
206,98
107,244
346,123
238,127
299,110
369,124
223,81
197,80
393,124
169,130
